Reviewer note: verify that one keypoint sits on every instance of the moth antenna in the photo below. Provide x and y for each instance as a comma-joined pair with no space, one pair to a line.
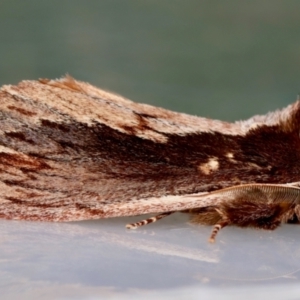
221,224
148,221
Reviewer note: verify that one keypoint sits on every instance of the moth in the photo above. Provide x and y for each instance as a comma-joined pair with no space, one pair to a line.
70,151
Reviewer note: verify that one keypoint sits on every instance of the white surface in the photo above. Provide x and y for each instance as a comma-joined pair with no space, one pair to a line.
170,258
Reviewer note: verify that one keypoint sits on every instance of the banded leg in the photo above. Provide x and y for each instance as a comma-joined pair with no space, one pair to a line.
221,224
148,221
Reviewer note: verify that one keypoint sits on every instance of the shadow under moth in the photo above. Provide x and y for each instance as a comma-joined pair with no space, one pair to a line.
70,151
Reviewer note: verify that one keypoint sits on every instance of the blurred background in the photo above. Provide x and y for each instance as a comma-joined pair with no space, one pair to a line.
219,59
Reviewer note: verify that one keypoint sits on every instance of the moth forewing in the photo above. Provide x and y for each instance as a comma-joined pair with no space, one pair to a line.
70,151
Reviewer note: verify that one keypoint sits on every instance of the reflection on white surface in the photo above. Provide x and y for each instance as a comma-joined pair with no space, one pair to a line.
101,258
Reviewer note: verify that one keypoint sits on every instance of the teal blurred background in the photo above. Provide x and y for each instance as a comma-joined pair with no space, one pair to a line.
219,59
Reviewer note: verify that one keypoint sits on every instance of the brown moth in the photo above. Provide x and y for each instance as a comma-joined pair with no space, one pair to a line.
70,151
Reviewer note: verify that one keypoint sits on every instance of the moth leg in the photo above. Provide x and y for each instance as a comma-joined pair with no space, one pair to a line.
148,221
290,216
221,224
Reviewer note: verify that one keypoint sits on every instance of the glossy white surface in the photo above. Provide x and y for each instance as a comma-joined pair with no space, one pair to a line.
171,258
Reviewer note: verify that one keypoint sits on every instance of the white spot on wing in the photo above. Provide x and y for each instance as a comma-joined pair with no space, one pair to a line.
230,157
211,166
